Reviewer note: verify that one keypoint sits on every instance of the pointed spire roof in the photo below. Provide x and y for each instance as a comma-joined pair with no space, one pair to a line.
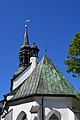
26,41
45,79
25,49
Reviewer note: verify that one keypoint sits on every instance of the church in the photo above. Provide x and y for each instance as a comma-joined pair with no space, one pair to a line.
38,90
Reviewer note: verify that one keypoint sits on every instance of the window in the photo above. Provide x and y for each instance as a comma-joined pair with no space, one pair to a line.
22,116
53,117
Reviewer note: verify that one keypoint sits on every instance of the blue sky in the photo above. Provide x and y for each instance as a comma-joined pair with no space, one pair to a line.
52,21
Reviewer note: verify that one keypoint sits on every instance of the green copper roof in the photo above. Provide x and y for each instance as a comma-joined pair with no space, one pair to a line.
45,79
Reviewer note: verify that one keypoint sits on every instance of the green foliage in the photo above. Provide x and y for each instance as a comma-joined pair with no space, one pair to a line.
73,56
77,96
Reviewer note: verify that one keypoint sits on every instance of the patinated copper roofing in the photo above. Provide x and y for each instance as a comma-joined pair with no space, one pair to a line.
45,79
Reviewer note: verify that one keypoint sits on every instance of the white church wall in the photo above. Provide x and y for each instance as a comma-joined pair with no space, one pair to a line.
71,115
26,107
61,105
65,113
50,105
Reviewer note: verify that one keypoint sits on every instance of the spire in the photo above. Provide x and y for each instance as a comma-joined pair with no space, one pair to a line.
24,54
26,41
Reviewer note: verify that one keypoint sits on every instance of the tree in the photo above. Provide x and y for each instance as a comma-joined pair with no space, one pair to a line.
73,61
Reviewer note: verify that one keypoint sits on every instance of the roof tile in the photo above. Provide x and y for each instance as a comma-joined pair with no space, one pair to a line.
45,79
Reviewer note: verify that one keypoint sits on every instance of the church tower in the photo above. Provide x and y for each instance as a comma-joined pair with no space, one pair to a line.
28,58
25,50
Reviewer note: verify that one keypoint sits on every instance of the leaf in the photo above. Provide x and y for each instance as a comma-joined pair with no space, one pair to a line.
73,56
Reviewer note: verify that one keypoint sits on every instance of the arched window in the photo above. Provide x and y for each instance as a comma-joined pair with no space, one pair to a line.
22,116
53,117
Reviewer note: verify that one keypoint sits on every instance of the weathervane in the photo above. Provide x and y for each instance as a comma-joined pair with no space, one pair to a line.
27,23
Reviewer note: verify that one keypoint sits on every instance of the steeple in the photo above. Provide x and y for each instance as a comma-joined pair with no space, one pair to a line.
24,54
26,41
27,55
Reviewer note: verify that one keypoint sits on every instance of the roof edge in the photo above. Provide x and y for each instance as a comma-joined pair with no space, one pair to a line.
44,95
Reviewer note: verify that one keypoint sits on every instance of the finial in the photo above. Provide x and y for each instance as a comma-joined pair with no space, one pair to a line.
26,41
27,23
45,47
